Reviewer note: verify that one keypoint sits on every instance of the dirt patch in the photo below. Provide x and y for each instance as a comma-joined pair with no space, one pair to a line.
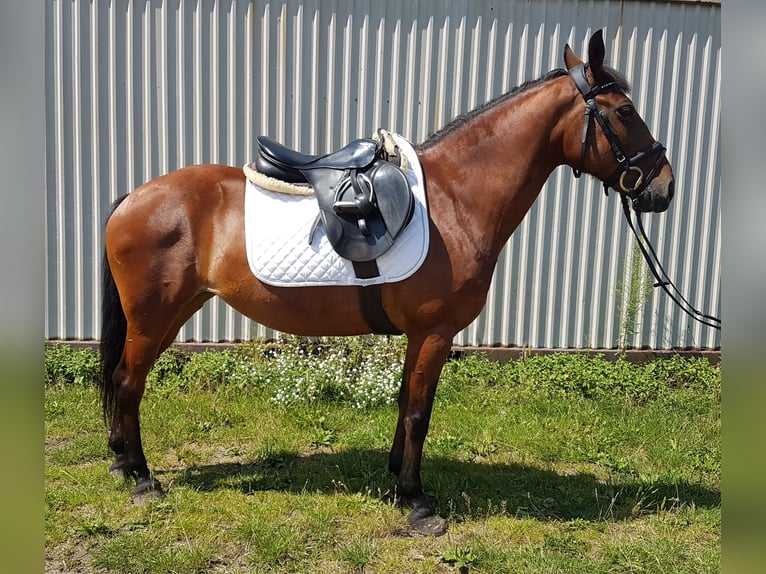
53,444
72,556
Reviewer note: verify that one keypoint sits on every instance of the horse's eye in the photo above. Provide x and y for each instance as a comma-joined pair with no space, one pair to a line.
625,112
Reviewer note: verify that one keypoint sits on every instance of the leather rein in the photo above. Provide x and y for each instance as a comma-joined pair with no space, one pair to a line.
633,192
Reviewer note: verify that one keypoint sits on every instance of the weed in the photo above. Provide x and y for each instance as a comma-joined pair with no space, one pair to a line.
563,374
92,529
65,365
166,376
362,371
461,557
632,292
210,369
365,372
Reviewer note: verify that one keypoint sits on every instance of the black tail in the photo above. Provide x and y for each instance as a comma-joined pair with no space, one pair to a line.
114,328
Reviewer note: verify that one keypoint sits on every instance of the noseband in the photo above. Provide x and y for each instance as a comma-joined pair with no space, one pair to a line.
627,164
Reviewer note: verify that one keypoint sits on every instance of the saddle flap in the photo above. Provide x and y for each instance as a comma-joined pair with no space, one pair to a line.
367,210
385,196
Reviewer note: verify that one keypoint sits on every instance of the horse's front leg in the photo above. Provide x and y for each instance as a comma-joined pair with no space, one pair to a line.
423,365
397,449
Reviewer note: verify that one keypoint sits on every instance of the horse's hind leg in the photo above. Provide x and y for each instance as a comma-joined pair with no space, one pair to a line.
129,380
144,343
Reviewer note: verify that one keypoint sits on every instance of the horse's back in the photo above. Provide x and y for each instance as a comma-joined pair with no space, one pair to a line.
185,194
198,178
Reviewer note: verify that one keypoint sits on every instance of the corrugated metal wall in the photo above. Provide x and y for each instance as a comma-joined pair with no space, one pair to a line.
137,89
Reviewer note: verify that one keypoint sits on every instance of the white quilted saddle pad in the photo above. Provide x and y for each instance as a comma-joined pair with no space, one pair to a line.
277,228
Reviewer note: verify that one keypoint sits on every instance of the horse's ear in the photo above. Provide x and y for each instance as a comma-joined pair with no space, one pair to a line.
596,52
570,58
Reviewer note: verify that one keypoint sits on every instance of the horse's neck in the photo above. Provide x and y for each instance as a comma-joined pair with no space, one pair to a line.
487,174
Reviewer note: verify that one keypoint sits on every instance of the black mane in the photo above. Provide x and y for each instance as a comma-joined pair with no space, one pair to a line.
611,75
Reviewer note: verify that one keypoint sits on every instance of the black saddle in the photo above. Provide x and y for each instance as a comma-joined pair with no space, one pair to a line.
281,162
365,201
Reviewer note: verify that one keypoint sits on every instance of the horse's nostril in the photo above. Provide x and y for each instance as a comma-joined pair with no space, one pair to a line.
671,189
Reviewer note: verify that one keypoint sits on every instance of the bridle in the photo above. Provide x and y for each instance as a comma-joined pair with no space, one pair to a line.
627,165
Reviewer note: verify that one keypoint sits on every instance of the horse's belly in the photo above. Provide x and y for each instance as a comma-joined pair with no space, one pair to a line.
307,311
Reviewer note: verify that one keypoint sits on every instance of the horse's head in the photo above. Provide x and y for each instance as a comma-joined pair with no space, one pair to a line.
621,151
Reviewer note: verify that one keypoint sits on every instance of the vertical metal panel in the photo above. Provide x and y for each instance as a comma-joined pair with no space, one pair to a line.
137,89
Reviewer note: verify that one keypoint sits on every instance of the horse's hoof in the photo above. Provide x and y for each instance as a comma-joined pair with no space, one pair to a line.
426,521
146,490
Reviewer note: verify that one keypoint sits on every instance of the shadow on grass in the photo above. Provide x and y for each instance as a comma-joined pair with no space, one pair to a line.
464,490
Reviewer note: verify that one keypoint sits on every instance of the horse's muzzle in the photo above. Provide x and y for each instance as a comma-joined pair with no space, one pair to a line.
648,203
654,198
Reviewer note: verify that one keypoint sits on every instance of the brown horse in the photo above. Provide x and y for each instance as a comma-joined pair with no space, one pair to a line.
177,241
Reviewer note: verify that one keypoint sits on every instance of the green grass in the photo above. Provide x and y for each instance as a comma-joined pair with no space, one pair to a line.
560,464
